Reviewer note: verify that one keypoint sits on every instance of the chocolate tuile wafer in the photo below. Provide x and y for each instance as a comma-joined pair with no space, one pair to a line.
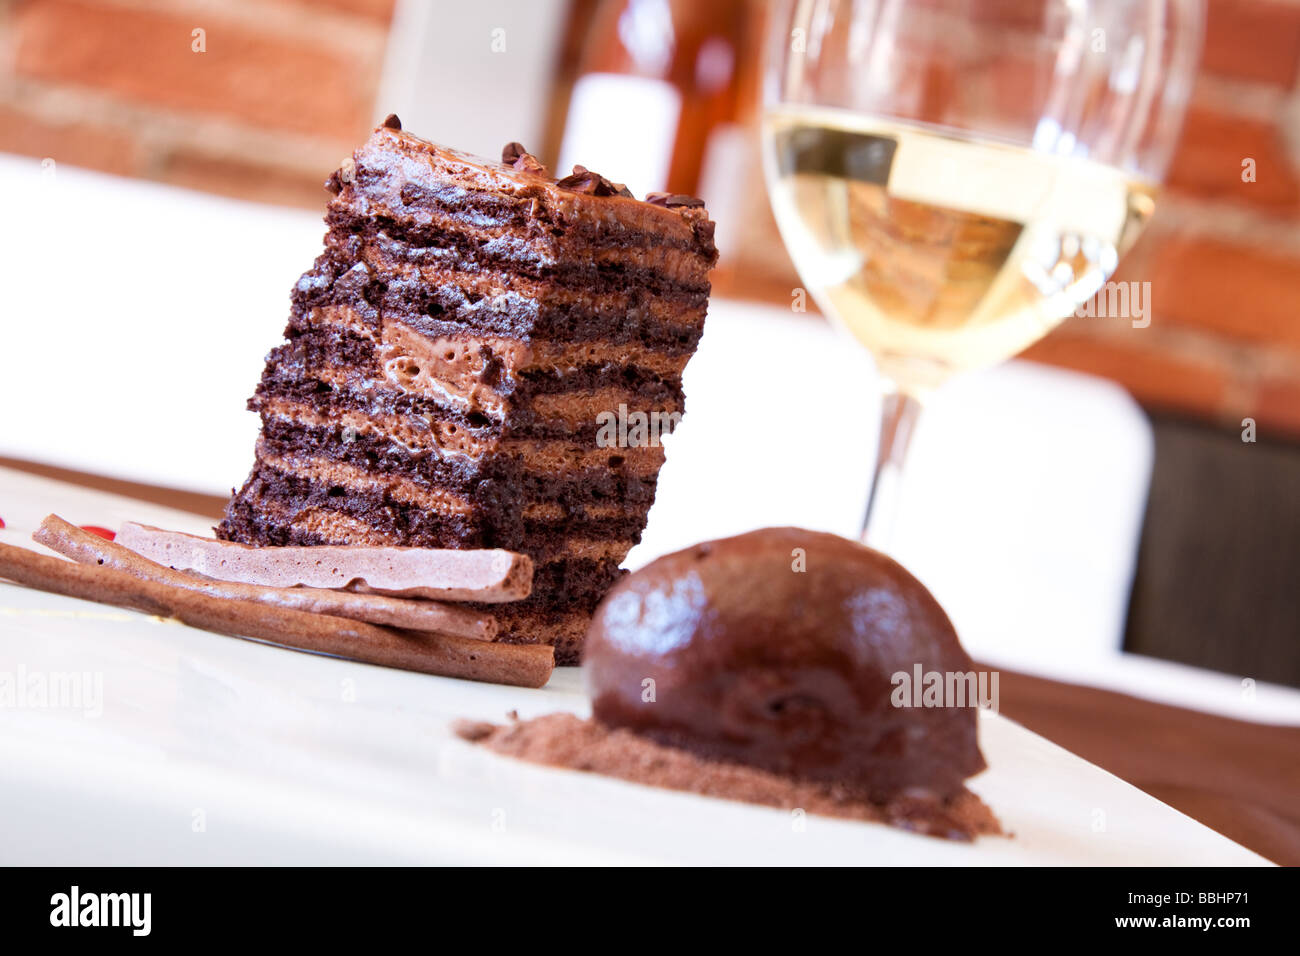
518,664
413,614
484,576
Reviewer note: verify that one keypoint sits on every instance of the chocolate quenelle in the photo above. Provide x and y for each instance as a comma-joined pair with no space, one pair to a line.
761,668
776,649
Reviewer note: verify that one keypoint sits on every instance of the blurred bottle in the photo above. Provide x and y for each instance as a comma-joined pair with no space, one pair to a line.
664,95
649,83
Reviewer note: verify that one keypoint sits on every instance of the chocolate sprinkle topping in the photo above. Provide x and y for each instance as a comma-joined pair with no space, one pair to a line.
673,200
583,180
392,122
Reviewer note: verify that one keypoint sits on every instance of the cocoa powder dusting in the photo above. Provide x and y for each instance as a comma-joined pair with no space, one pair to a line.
564,740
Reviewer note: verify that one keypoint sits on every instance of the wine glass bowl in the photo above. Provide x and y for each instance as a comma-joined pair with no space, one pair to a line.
953,178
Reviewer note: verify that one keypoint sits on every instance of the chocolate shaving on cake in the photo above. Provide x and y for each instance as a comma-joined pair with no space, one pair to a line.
583,180
515,156
392,122
674,200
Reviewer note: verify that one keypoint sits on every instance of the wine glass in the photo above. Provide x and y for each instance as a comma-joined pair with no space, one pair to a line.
954,177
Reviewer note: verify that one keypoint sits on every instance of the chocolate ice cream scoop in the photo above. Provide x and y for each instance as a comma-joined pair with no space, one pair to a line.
779,649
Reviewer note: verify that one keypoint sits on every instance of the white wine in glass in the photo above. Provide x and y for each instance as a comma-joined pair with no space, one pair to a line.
948,231
936,273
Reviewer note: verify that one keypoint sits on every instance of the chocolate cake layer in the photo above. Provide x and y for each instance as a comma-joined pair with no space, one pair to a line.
564,628
465,365
574,484
452,362
501,303
398,368
655,269
404,514
426,424
401,177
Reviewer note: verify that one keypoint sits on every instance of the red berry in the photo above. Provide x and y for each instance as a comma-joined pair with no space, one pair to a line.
2,523
102,532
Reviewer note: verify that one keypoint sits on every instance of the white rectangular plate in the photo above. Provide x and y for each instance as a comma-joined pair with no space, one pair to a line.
187,747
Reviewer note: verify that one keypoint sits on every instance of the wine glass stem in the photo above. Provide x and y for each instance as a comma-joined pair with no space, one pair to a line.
898,414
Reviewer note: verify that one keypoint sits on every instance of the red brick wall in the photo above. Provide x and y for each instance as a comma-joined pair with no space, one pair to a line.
1222,254
282,92
286,88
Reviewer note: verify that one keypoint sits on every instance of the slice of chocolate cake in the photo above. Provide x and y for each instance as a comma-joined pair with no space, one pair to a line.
452,357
